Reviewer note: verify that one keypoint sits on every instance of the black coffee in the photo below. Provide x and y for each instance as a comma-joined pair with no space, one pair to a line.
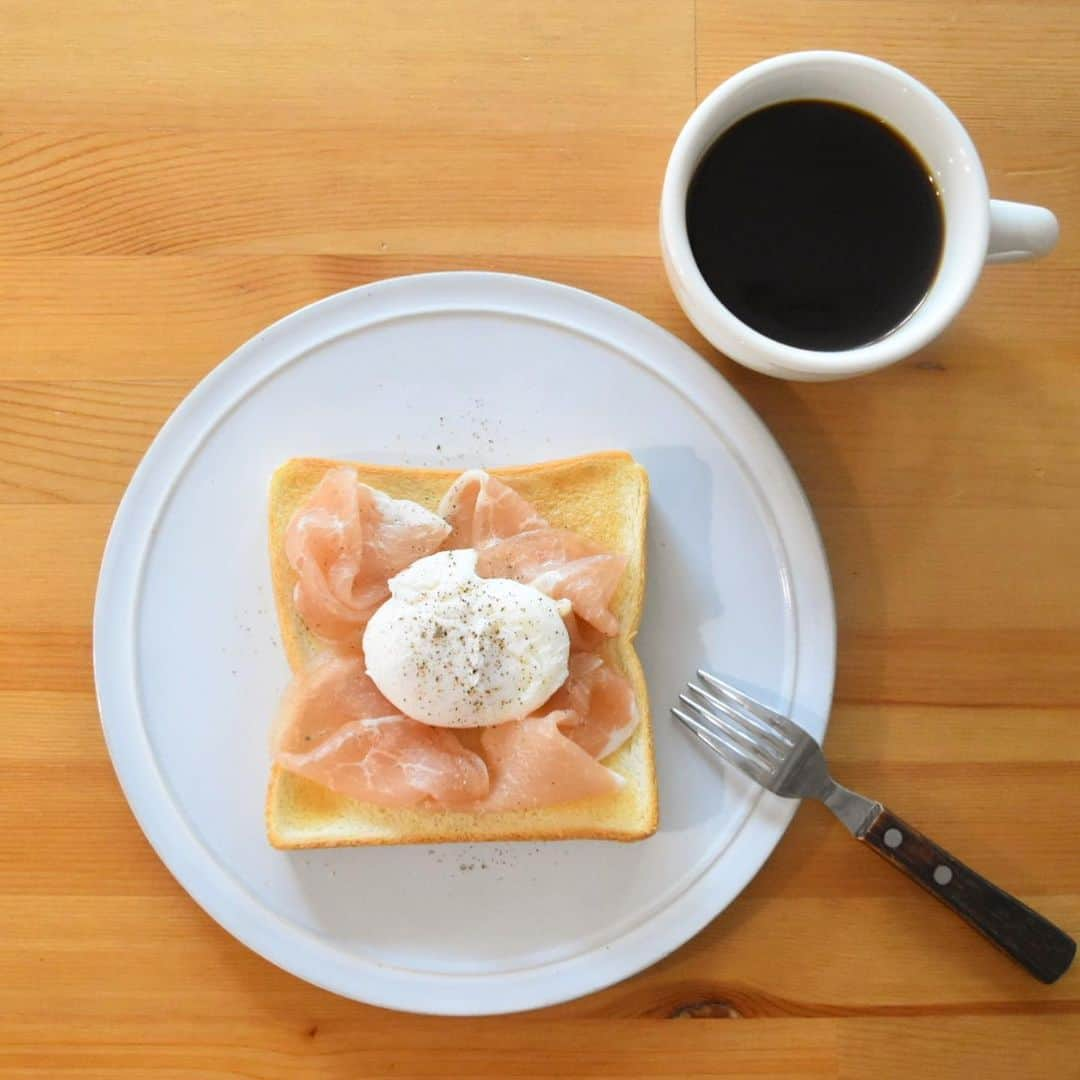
816,224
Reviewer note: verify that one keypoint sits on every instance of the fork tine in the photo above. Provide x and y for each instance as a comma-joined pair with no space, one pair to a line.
720,744
734,730
769,738
785,728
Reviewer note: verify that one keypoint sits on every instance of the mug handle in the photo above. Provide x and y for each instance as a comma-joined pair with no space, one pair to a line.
1020,231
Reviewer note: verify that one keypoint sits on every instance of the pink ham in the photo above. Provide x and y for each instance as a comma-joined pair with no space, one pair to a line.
515,542
533,764
344,542
602,701
337,729
481,509
563,565
332,691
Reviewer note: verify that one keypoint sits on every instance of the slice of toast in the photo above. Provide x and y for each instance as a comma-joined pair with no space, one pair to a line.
603,497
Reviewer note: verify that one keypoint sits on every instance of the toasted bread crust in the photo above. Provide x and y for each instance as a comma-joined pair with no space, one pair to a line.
604,497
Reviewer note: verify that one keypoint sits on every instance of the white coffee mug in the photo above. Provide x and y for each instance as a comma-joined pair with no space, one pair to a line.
978,229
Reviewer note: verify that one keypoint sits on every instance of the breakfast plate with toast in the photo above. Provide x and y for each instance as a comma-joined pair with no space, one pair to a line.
390,618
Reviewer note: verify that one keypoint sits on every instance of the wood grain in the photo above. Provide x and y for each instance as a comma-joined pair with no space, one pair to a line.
175,177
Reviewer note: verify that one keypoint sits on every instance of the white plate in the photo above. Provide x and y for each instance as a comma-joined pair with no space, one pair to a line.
453,369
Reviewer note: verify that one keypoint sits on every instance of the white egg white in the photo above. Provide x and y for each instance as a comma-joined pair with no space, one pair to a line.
453,649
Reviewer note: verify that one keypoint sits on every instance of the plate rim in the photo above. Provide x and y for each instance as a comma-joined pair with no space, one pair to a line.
755,839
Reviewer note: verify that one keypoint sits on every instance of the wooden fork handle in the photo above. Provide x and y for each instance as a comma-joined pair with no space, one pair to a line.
1031,940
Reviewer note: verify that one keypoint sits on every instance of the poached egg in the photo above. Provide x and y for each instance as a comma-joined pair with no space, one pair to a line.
453,649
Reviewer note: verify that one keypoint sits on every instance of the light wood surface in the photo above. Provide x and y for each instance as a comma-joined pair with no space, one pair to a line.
173,177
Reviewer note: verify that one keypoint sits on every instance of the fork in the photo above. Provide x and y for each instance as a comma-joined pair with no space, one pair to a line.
779,755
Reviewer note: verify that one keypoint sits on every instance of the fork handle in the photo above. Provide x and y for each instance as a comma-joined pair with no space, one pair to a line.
1031,940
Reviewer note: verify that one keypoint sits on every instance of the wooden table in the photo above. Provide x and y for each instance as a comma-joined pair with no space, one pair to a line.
175,176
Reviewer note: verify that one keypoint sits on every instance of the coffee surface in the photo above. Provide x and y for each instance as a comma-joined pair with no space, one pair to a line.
816,224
